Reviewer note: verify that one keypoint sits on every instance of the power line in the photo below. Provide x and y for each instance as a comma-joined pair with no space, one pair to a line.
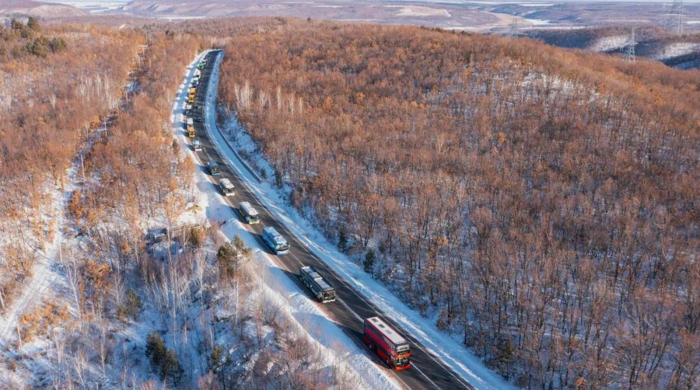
675,17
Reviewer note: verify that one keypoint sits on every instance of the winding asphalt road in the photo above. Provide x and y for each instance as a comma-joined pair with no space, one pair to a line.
349,311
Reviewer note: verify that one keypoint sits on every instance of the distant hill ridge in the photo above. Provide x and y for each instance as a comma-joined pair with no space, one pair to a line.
681,51
39,9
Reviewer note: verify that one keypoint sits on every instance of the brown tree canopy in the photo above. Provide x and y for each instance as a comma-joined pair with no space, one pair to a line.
57,82
542,203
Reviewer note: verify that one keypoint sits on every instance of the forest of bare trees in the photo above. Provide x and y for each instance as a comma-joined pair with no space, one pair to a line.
55,92
540,203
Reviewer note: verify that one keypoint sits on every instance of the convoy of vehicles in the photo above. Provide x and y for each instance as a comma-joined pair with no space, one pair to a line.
275,241
226,187
323,291
248,213
389,345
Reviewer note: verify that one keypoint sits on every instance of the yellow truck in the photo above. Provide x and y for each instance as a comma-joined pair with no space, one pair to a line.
193,91
190,128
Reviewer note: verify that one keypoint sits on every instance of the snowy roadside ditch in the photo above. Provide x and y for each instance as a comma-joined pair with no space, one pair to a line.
445,347
338,357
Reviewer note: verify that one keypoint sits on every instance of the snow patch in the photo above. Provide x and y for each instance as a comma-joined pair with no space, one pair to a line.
676,49
422,11
538,22
609,43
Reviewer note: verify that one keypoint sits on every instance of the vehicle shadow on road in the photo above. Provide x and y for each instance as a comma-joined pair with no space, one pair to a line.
317,325
320,328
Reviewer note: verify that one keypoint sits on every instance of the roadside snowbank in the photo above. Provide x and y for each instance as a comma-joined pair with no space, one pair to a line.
341,355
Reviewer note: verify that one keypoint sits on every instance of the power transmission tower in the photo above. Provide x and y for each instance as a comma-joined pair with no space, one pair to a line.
675,17
629,48
513,28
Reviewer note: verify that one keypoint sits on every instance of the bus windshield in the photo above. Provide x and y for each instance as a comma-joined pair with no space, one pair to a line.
402,348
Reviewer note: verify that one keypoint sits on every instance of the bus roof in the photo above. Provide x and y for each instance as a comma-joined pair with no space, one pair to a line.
386,330
317,278
270,231
248,209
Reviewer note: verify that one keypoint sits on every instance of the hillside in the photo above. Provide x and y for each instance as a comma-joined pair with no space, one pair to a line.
679,51
594,14
445,15
538,203
39,9
55,89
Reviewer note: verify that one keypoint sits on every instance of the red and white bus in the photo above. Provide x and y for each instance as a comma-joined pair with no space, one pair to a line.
389,345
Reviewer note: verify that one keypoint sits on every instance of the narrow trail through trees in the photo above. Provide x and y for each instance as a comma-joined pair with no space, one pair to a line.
48,269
